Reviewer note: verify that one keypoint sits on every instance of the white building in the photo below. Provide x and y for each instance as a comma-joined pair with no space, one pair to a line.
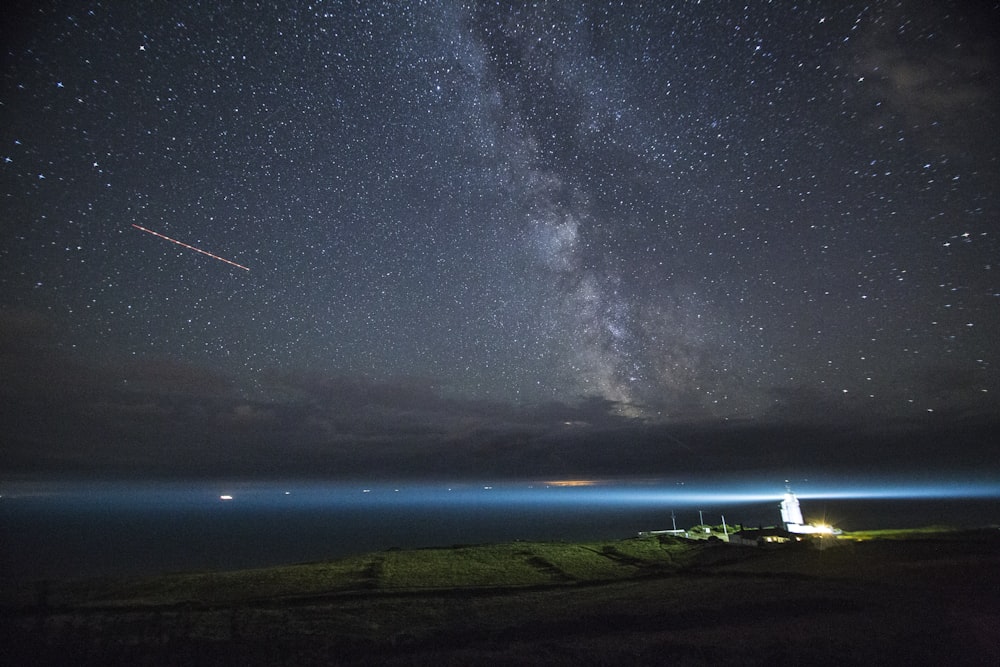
791,513
791,516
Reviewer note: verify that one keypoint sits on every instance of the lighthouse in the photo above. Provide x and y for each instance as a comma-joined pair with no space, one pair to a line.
791,516
791,513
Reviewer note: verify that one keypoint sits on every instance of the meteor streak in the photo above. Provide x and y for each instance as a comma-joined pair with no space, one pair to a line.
191,247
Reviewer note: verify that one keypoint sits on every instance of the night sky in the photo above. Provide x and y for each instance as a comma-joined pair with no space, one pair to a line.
490,239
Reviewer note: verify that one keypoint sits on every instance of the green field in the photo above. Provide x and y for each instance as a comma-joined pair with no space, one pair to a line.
492,566
923,597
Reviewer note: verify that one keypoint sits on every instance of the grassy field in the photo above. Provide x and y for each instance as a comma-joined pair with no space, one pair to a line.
494,566
923,597
937,532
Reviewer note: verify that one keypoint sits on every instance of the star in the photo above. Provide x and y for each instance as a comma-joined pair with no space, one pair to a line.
469,224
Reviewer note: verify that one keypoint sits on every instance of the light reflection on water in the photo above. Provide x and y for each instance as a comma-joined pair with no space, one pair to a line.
64,529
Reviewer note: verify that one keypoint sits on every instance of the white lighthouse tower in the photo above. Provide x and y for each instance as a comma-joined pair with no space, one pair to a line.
791,516
791,513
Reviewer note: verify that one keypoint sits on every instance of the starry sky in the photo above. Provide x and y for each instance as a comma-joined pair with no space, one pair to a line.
512,239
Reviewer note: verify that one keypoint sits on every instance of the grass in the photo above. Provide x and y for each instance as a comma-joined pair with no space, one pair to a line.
208,588
474,566
899,533
930,593
500,566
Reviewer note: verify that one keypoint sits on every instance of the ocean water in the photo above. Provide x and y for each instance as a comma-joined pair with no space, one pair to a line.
68,530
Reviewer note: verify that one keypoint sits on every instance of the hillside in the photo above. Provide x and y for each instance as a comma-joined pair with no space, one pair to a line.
923,597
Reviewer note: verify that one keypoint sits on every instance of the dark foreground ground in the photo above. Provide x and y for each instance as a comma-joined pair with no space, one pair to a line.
927,598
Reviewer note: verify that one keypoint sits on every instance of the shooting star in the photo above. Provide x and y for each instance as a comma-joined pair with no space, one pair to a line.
191,247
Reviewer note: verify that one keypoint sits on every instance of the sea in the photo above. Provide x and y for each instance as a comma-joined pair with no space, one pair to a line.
73,529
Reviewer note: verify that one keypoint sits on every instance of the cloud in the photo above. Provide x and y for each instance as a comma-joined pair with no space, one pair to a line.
23,330
141,416
66,415
931,64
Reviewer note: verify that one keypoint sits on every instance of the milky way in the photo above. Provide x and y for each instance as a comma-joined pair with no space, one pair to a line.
687,212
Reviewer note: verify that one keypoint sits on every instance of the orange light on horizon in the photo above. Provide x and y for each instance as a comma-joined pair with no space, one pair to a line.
574,482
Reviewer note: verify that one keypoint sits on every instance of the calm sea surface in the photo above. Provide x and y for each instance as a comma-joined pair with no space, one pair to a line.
65,530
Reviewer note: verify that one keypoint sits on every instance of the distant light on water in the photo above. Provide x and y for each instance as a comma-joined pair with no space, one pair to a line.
112,527
582,492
